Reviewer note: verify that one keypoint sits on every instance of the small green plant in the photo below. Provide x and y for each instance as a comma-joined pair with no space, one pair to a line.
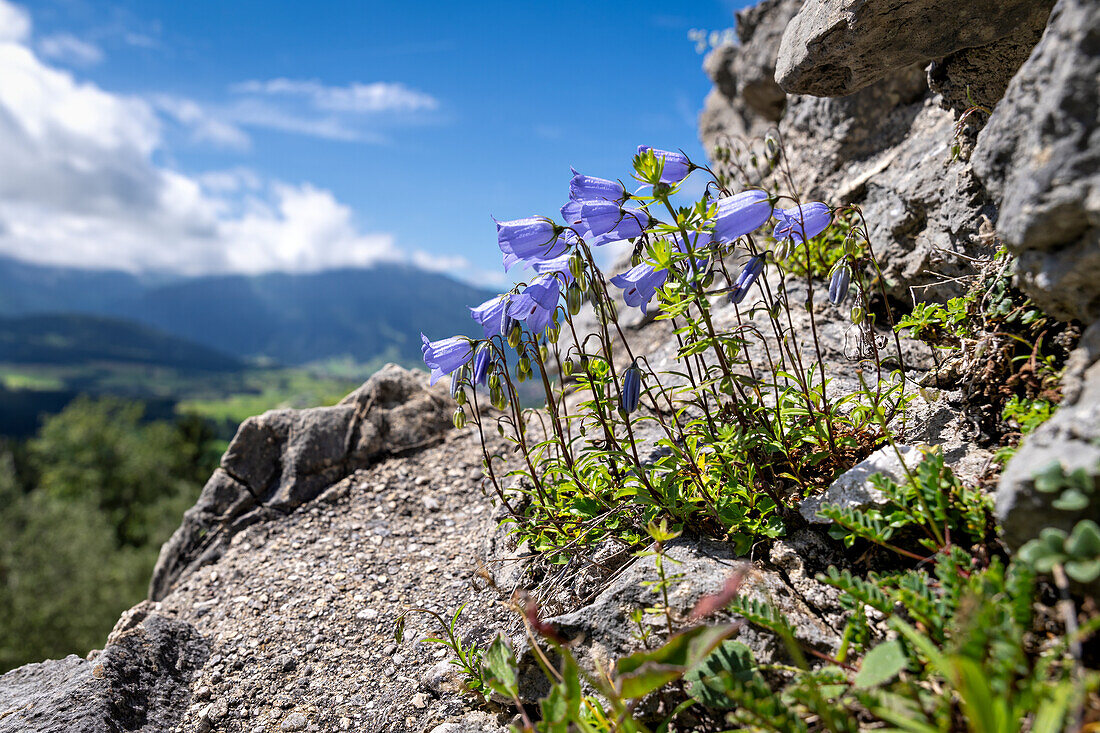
941,326
467,657
1078,552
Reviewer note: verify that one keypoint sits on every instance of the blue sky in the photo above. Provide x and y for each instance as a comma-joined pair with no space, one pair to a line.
209,136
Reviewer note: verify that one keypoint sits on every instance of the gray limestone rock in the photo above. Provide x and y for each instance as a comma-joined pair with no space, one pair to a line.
1039,157
704,566
285,458
836,47
139,682
1071,437
853,489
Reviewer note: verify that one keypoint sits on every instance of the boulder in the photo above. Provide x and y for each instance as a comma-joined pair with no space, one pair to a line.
836,47
1071,437
853,488
703,567
1039,157
139,682
285,458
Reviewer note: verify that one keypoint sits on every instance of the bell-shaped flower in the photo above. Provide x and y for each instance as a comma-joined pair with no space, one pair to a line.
677,165
748,275
529,240
446,355
535,306
640,284
602,222
632,388
590,188
741,214
490,315
559,265
802,222
482,359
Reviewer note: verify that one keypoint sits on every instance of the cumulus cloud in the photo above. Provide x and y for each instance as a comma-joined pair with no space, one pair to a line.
15,23
68,49
82,185
204,127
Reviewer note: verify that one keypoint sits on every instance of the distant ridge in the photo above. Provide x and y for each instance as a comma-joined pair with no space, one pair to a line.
77,339
367,314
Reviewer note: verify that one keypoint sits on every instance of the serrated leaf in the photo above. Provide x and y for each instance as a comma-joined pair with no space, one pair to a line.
881,664
718,674
643,672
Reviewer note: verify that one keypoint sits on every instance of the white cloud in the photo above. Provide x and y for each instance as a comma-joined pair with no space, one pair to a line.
440,263
68,49
15,23
204,127
81,185
355,97
351,113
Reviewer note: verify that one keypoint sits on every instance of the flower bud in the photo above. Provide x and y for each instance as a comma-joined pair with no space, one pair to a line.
567,367
771,148
749,273
494,381
838,285
514,336
498,397
544,353
460,397
459,418
456,380
500,428
857,314
576,265
574,299
632,388
524,364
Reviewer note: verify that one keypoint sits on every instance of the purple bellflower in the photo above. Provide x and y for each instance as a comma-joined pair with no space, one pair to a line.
590,188
529,240
749,273
491,315
482,360
741,214
446,355
602,222
677,165
640,284
810,219
535,306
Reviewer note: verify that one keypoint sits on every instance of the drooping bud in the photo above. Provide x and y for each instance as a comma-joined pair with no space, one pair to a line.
574,298
576,265
482,360
838,285
457,376
748,275
514,336
460,397
857,314
567,367
632,388
459,418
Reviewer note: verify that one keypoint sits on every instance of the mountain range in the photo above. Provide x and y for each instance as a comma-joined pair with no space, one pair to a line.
367,315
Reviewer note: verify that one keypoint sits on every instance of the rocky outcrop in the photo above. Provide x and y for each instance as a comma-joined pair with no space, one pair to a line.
1039,157
139,682
836,47
1071,439
285,458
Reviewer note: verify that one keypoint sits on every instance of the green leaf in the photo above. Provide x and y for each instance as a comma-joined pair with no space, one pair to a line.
643,672
1071,500
711,680
1083,571
881,664
1084,540
500,667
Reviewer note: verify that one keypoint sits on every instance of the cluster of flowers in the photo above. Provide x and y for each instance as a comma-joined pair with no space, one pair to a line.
599,212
